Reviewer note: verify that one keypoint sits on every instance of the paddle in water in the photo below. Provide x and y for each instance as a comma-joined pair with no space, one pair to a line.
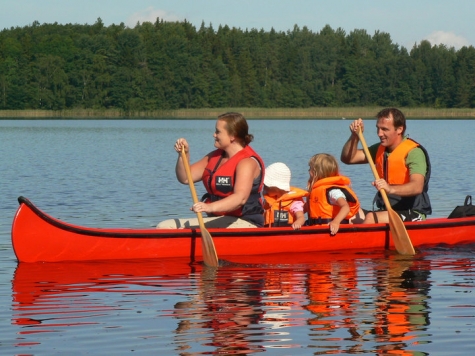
401,238
210,257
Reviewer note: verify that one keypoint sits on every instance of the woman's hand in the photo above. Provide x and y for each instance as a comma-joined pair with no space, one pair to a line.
179,144
201,207
180,167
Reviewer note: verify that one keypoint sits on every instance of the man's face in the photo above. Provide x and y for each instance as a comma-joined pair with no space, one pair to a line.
389,136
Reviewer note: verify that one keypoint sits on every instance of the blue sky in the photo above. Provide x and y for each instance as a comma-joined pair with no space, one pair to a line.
407,21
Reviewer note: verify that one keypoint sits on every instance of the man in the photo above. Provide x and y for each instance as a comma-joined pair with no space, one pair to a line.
403,166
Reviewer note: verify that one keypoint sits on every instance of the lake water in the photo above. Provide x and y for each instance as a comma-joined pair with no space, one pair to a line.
120,173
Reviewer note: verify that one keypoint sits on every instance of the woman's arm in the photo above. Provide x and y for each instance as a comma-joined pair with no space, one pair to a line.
196,168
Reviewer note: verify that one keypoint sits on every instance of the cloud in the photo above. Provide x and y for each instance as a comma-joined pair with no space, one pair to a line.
150,14
449,39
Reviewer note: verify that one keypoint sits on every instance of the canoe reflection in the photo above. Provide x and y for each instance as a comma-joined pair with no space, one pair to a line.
238,308
66,290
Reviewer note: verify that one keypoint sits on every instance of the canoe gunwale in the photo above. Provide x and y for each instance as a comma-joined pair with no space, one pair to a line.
98,232
192,232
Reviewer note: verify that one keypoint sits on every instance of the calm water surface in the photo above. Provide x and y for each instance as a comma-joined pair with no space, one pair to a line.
118,173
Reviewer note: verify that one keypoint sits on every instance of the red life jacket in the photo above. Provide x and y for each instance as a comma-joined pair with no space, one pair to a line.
219,181
319,203
277,211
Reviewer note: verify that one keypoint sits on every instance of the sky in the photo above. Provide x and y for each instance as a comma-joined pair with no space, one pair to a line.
408,22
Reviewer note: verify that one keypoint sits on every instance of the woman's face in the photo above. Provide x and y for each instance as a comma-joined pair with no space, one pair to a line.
221,137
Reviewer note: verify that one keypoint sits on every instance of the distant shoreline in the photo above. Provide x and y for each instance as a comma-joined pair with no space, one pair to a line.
249,113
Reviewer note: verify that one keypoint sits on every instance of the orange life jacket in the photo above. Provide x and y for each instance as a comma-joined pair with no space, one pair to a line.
319,206
396,171
277,211
393,169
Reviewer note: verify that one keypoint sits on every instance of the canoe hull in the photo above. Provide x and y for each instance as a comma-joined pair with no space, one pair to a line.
36,237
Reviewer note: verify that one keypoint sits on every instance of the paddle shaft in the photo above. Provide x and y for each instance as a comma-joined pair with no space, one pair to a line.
401,238
373,168
210,256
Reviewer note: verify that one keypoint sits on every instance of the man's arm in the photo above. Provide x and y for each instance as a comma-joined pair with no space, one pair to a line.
350,154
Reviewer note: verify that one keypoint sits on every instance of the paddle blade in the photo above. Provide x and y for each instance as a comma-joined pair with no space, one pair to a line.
210,256
401,238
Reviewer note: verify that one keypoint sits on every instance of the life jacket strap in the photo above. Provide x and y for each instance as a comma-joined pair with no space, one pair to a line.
320,221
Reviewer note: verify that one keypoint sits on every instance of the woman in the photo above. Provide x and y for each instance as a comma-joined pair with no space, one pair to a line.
232,175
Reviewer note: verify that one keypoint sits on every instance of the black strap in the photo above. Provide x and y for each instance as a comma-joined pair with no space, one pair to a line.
467,199
212,172
320,221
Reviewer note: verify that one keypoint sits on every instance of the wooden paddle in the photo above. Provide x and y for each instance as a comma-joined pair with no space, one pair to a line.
401,239
210,257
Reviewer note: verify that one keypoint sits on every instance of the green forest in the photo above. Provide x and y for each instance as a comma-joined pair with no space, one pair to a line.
175,65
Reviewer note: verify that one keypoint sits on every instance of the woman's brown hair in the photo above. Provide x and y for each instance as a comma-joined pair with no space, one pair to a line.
236,125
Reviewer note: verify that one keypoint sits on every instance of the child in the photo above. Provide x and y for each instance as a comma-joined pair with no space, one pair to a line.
331,199
284,205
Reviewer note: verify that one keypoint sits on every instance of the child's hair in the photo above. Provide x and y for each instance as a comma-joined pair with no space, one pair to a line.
322,165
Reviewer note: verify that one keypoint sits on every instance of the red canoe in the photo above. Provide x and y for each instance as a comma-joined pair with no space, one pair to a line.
38,237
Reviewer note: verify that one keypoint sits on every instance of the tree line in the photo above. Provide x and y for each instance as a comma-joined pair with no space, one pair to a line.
174,65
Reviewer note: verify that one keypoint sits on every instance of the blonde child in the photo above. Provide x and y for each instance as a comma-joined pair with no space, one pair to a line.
331,200
283,205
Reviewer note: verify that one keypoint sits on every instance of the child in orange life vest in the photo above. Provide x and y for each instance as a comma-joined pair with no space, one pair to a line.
283,205
331,199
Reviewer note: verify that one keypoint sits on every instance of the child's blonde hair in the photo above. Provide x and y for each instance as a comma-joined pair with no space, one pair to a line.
322,165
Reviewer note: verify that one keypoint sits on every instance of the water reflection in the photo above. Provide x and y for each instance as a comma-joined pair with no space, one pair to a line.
334,294
350,303
402,311
50,296
228,308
